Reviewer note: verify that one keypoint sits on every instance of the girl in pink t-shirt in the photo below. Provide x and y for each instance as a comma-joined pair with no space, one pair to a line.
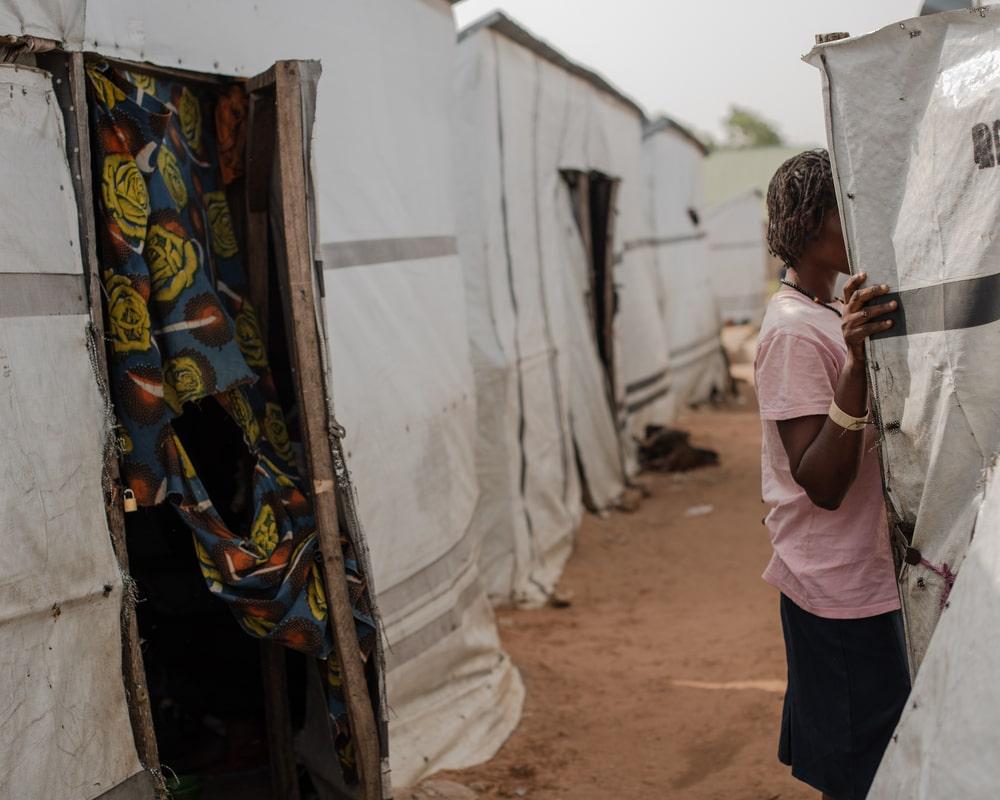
848,677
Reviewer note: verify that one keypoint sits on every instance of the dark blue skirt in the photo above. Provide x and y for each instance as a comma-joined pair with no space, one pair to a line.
848,681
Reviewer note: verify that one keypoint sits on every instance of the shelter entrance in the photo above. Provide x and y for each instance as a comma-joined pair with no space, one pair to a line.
198,239
593,195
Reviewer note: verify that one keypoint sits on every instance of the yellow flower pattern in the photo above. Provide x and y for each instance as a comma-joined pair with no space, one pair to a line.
244,416
315,593
276,432
172,261
128,316
264,532
166,163
107,93
220,223
125,195
189,113
182,381
248,336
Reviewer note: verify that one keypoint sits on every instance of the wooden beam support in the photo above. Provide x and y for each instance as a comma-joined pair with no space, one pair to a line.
305,341
70,84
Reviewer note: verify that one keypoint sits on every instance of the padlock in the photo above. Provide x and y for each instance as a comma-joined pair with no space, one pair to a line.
130,502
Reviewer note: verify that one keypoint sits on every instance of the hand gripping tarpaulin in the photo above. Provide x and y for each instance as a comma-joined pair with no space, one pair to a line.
913,125
918,189
66,732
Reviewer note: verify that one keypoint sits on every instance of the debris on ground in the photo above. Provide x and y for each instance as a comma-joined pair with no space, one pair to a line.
670,450
699,511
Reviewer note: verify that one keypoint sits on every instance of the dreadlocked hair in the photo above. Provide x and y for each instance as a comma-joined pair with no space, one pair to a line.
798,197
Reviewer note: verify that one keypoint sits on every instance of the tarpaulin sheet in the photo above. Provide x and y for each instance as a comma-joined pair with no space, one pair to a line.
948,738
912,120
67,734
677,239
737,258
546,414
394,306
919,201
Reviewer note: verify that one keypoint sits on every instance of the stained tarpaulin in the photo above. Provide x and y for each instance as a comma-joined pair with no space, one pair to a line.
915,152
67,731
913,155
546,414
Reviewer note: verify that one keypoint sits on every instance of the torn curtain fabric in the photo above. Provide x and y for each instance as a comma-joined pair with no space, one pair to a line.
181,330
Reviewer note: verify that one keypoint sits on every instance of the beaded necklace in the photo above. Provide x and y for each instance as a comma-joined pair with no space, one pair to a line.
811,296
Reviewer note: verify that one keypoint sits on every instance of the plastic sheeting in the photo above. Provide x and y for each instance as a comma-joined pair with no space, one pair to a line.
678,242
544,400
394,302
949,735
737,258
913,152
67,731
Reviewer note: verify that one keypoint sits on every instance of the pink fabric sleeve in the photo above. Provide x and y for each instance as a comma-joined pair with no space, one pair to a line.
795,377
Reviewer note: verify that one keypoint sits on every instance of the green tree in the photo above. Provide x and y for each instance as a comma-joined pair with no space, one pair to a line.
746,128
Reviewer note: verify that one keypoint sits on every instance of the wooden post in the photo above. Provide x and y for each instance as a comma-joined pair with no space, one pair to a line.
70,85
305,342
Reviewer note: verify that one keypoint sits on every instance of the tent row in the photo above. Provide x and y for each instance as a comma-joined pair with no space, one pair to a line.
506,284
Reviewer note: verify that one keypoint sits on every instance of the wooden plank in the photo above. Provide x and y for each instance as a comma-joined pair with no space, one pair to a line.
71,88
284,771
305,342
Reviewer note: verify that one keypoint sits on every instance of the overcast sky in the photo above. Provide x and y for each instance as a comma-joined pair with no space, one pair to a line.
692,59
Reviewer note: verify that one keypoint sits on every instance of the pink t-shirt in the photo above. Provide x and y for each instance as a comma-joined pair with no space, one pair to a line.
834,564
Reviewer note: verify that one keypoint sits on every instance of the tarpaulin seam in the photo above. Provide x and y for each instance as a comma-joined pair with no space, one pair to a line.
557,394
505,218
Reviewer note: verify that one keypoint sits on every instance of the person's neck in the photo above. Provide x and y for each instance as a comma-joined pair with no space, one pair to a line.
820,283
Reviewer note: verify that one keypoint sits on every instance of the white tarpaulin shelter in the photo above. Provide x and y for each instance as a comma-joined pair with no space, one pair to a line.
674,164
949,735
916,153
66,725
530,123
737,258
393,305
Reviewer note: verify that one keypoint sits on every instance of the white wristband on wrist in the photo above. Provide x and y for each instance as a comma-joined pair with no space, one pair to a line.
845,420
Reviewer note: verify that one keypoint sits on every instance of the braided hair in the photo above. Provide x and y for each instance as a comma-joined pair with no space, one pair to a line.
800,194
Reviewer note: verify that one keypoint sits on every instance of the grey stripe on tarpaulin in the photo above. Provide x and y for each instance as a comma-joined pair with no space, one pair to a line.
40,294
734,245
663,241
944,307
438,576
423,639
140,786
688,348
366,252
640,404
642,383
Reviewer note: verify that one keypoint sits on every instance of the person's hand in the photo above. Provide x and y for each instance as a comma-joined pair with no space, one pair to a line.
860,322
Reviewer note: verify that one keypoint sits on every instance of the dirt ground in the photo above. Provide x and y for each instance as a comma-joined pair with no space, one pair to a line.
664,677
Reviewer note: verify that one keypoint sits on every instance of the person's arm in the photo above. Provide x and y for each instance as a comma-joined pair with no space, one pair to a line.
824,457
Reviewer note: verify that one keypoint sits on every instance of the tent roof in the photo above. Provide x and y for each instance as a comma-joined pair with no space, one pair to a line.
665,123
504,25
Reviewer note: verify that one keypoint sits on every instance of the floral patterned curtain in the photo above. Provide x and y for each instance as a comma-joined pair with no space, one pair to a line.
181,329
